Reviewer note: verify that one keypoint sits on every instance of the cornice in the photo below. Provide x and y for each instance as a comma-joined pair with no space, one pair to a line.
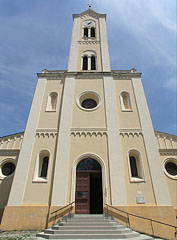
168,152
9,152
46,132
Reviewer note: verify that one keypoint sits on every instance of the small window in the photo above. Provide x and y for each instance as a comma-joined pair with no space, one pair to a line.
170,167
85,63
93,63
85,32
92,32
125,101
89,103
41,166
135,166
52,102
7,168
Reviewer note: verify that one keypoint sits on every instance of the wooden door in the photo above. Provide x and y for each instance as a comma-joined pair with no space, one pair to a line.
82,193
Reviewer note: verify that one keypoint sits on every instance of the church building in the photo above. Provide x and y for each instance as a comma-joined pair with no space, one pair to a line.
89,143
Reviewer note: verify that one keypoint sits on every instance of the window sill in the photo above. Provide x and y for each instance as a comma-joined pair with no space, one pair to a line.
136,180
89,38
50,110
39,180
127,110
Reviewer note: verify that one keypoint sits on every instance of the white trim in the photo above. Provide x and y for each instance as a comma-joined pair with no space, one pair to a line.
174,160
92,94
104,178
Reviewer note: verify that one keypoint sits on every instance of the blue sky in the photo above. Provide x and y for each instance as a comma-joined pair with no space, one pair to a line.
36,34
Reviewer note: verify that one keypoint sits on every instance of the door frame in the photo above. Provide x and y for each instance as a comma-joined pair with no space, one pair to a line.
103,170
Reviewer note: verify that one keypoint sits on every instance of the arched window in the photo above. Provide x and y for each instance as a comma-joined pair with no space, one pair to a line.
92,32
125,101
135,166
93,63
52,102
44,167
88,60
85,63
41,166
85,32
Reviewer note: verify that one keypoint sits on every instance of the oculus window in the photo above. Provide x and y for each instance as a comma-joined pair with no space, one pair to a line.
88,101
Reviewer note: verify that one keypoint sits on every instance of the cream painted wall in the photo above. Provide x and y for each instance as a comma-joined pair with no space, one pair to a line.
50,119
136,142
91,119
171,183
6,182
88,144
39,192
127,119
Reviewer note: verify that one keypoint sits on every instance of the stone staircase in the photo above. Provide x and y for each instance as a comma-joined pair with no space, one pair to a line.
95,226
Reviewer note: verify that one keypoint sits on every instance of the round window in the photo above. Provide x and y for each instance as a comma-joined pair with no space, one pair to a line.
171,168
8,168
88,101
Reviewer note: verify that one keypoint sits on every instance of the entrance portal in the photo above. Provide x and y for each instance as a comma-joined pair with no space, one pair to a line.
89,196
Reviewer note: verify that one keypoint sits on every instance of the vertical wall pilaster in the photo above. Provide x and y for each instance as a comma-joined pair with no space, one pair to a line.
74,46
117,178
21,172
60,184
104,46
158,180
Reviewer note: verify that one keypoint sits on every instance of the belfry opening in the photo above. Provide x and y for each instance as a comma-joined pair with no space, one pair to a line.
89,194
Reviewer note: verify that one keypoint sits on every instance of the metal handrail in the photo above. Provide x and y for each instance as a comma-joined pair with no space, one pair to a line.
70,204
151,220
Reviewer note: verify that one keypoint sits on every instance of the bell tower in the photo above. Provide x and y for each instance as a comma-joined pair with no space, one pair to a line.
89,46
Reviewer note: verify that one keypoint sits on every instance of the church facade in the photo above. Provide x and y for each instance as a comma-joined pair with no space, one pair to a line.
89,141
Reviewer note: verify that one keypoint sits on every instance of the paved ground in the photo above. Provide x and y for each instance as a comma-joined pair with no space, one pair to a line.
18,235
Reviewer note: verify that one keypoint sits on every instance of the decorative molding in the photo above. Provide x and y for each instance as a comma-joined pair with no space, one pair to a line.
89,42
46,134
121,77
56,78
90,14
130,132
89,75
168,152
88,133
9,152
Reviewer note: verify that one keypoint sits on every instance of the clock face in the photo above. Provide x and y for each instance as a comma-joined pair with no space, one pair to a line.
89,23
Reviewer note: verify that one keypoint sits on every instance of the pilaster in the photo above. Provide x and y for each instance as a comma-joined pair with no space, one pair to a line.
62,155
158,180
21,173
118,192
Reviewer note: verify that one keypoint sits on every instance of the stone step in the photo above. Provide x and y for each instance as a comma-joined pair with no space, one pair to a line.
63,223
88,220
93,231
89,236
118,226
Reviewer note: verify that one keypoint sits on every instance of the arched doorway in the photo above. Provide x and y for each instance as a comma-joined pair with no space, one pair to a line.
89,194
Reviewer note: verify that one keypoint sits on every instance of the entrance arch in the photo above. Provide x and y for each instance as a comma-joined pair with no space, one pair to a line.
89,191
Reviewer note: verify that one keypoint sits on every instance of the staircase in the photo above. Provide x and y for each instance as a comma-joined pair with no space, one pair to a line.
95,226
